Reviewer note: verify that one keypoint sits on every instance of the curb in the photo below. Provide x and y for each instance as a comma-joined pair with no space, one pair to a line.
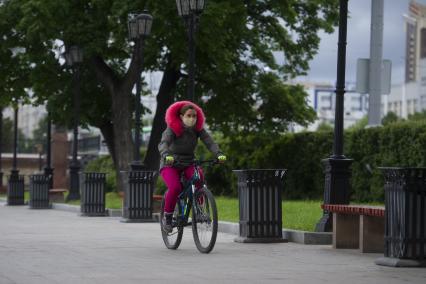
295,236
308,238
66,207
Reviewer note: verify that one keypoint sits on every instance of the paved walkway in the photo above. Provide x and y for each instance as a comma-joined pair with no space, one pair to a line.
51,246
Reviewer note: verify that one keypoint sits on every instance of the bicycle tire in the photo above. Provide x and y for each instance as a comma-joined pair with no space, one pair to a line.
171,240
204,219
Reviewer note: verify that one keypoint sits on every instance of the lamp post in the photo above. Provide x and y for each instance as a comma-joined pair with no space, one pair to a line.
14,172
337,167
139,29
48,170
190,11
73,57
1,149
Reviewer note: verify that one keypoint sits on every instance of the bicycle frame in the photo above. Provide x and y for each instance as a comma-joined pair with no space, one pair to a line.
185,197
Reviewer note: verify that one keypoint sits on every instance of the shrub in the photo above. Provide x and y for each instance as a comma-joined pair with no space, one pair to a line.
104,164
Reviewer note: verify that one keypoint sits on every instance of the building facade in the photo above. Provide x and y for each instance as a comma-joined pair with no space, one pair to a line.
415,49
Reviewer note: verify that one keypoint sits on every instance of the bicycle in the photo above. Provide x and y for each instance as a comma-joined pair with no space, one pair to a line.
204,219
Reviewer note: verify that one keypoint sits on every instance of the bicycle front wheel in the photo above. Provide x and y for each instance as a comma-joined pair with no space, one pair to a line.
204,220
172,239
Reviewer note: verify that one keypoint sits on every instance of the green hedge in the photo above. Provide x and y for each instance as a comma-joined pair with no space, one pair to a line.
300,154
104,164
397,144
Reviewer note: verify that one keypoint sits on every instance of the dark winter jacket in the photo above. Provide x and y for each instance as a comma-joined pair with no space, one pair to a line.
180,141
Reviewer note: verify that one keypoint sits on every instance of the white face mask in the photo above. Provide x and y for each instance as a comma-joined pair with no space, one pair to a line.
189,121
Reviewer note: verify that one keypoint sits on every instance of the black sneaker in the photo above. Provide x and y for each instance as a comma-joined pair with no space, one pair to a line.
167,222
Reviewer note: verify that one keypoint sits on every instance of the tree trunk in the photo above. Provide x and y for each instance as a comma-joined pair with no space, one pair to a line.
164,100
118,137
123,143
108,134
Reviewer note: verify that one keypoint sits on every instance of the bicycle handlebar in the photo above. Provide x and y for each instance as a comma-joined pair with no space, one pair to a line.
196,162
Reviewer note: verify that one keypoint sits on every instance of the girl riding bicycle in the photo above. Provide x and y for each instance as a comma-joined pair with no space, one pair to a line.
185,124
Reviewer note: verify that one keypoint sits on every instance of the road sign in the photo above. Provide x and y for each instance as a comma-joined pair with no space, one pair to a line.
362,75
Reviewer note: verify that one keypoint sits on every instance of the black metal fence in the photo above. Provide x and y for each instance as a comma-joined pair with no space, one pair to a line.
138,194
405,214
259,193
92,187
39,191
15,190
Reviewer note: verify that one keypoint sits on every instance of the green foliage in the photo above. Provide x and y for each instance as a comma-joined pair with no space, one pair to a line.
39,133
398,144
104,165
236,70
24,145
360,124
7,135
324,126
297,215
389,118
418,116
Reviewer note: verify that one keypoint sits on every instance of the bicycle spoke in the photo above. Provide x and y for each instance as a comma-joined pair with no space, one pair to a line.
205,225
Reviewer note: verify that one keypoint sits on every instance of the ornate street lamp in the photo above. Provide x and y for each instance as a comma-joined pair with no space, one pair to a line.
188,7
190,11
73,57
337,167
139,28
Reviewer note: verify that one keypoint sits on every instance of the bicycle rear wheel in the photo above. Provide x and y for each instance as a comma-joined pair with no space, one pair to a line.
173,239
204,220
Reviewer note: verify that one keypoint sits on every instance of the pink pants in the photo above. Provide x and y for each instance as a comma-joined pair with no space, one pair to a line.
171,177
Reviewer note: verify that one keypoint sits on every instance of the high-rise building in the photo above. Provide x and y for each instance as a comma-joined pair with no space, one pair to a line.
415,50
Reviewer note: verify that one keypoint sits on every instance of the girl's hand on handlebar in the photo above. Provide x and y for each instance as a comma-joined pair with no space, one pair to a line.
221,159
169,160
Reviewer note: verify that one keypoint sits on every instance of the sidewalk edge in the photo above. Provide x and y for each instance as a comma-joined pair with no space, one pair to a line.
296,236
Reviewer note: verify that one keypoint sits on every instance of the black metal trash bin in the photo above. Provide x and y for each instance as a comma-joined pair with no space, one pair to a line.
15,190
138,193
405,216
92,186
39,191
259,193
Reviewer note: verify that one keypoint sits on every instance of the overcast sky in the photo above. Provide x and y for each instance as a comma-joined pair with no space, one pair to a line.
324,64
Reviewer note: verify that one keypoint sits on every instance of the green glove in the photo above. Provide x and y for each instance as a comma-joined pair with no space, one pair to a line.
169,160
221,158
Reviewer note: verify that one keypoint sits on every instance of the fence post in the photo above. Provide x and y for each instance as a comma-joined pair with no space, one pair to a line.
138,196
92,202
405,217
259,194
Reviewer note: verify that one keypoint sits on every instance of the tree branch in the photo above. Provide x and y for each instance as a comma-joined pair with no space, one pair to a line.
135,69
105,74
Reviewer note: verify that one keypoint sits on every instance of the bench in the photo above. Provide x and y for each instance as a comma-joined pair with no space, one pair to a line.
358,227
57,194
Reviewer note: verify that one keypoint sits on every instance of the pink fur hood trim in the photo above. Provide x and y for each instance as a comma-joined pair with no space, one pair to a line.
173,117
